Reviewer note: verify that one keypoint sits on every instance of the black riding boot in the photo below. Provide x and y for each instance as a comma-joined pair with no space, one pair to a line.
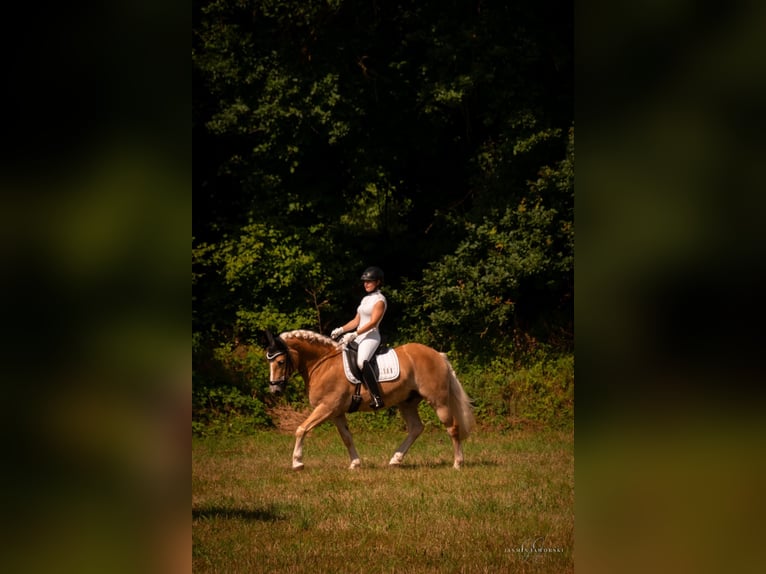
371,382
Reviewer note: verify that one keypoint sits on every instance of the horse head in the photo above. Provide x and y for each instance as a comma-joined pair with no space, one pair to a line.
278,356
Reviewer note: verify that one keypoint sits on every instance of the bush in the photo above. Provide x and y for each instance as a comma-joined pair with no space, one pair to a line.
225,410
507,395
227,392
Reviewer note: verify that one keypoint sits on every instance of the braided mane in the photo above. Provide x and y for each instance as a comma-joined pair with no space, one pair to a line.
311,337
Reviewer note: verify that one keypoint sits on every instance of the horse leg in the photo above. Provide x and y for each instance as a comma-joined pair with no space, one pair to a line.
445,416
317,416
409,411
345,435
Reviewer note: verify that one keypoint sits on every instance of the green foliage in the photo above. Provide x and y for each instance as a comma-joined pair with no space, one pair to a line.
245,366
470,297
380,208
225,410
229,390
433,139
475,288
506,395
387,419
262,278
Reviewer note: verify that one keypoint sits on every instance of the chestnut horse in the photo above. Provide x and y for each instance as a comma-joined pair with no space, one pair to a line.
424,374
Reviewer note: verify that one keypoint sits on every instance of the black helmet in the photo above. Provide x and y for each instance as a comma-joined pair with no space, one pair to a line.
372,274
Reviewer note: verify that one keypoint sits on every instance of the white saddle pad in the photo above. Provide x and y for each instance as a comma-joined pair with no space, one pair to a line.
388,367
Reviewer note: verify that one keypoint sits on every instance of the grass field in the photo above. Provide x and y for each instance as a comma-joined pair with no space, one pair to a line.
510,509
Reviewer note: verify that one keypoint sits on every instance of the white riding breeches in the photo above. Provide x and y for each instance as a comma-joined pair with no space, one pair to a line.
367,346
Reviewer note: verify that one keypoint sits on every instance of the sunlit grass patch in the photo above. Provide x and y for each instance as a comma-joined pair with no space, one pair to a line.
515,495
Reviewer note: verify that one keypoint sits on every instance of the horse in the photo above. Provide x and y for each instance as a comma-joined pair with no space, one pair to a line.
424,374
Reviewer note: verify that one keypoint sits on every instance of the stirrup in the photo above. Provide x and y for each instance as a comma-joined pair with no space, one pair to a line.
373,386
376,403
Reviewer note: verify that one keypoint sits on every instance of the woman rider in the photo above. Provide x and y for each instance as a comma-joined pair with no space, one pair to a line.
364,329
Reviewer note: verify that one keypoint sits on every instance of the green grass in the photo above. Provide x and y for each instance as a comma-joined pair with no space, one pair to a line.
252,513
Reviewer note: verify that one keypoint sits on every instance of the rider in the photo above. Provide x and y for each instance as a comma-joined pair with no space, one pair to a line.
368,317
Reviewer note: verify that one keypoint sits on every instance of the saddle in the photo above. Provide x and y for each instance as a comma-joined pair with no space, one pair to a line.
384,363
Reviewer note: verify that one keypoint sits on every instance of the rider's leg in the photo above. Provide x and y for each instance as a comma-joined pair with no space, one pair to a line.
367,348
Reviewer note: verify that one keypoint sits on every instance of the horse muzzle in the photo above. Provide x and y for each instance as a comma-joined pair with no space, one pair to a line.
277,387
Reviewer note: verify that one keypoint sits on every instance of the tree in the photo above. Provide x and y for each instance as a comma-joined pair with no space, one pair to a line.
261,278
330,135
511,271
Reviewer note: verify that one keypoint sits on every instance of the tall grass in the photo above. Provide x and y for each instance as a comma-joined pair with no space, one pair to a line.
511,509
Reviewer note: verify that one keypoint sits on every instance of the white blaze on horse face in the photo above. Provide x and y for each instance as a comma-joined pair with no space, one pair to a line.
277,368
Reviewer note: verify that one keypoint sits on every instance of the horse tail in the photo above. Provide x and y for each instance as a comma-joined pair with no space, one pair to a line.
459,403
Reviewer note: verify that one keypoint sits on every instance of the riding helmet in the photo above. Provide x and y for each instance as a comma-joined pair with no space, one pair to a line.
372,274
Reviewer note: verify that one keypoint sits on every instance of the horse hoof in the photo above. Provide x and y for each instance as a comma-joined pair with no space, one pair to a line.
355,464
396,460
298,466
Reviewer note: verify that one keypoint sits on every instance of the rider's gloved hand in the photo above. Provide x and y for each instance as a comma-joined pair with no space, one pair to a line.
349,337
336,332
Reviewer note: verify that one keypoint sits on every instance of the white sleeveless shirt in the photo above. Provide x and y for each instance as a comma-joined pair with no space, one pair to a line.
365,312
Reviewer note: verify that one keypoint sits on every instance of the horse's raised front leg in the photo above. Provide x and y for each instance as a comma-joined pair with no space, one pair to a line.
345,434
317,416
409,411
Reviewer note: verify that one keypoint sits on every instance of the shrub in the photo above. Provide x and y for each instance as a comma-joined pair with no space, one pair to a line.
228,391
508,395
225,410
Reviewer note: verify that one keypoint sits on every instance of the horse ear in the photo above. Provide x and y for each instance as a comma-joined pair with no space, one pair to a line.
270,337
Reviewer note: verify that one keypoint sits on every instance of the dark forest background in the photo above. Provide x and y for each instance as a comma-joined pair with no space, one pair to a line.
432,139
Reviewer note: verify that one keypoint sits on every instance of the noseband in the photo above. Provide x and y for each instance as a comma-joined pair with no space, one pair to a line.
270,356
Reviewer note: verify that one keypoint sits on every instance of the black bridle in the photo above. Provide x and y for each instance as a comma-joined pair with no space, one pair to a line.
276,349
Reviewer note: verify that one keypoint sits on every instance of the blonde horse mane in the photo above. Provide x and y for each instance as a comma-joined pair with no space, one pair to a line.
311,337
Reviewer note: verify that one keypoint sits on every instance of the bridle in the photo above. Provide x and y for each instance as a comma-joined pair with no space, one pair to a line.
280,384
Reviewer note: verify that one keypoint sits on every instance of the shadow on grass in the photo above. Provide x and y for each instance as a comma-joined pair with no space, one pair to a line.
269,514
445,464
